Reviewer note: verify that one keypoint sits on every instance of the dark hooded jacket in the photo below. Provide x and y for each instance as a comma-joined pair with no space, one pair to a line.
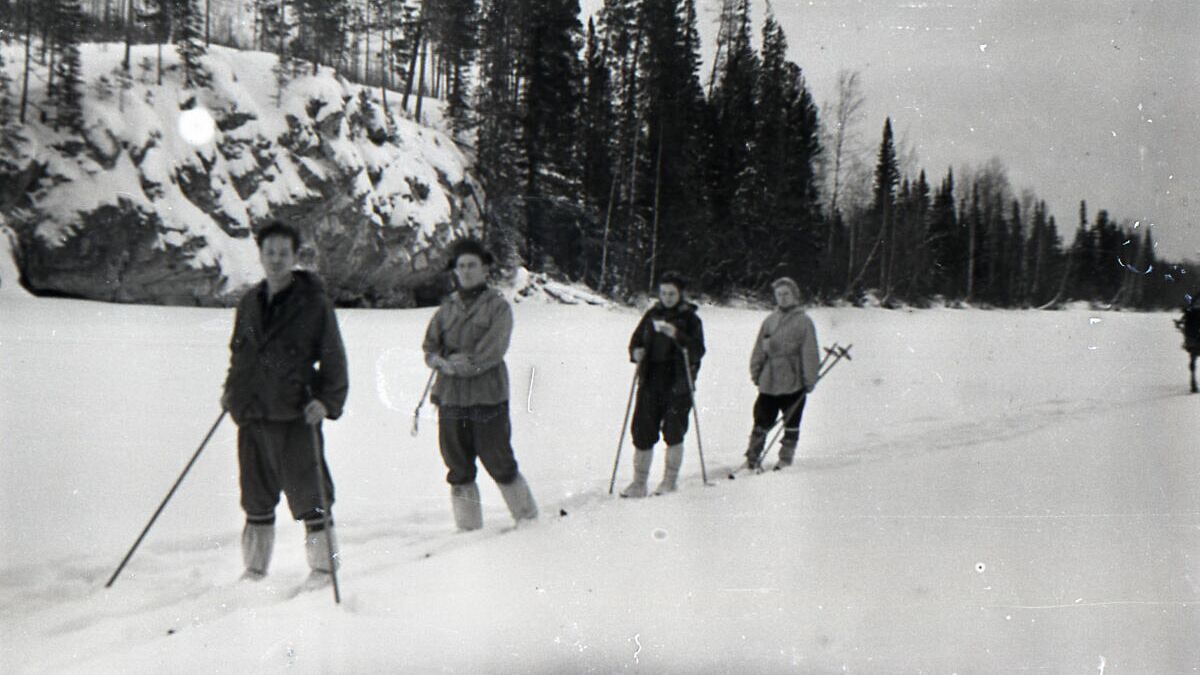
286,353
663,363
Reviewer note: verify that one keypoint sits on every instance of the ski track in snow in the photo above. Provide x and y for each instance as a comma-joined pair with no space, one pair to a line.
861,432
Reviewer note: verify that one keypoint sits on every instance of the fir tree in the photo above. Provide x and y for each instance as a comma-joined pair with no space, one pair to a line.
887,178
68,87
551,75
190,45
732,179
457,45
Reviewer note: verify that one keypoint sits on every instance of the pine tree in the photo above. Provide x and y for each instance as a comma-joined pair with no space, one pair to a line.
887,178
190,45
551,75
321,38
670,98
454,28
946,244
68,88
732,176
598,126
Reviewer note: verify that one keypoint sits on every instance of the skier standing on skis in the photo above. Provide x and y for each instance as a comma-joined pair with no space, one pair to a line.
465,343
276,393
784,366
664,395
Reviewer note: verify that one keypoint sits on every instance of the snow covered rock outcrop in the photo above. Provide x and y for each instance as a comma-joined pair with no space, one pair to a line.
153,208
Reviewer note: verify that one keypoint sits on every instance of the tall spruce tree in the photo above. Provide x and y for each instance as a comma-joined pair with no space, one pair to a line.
887,178
498,122
732,178
68,87
190,44
671,98
551,75
454,31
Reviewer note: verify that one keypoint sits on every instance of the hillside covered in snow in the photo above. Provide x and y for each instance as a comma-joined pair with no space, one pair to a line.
157,202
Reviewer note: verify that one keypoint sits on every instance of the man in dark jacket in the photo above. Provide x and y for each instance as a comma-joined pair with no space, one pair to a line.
664,398
287,372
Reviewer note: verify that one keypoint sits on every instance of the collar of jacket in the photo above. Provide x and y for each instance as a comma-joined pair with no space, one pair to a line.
305,288
486,294
682,307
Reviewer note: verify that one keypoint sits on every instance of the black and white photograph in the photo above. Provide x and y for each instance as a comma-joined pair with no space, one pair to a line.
600,336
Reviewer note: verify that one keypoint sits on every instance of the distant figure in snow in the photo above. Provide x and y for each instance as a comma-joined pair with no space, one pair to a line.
1189,323
287,373
664,396
465,343
784,367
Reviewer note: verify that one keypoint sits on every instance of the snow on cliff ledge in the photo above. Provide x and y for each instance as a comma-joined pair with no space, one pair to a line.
143,214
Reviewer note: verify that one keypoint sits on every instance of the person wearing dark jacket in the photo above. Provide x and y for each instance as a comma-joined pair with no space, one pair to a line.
666,332
287,373
465,343
784,367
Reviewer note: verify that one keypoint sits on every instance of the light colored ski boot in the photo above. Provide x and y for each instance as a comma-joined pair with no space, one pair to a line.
674,460
519,499
258,541
641,473
468,511
316,550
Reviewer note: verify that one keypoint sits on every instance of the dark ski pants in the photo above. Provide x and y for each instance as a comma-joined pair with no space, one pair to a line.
482,431
659,411
275,456
768,407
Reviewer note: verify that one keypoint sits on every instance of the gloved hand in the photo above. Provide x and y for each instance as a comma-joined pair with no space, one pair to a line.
314,412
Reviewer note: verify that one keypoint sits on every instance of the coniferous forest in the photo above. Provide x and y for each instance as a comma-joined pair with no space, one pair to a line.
610,151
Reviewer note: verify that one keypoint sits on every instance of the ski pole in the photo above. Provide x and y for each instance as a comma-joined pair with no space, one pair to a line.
687,367
838,354
324,495
417,412
166,499
628,406
829,351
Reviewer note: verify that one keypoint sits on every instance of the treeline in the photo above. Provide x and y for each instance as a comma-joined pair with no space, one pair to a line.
609,155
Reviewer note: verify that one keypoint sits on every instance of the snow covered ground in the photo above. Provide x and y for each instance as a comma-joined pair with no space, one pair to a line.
979,492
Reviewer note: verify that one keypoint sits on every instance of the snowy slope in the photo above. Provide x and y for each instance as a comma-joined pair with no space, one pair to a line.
370,185
978,492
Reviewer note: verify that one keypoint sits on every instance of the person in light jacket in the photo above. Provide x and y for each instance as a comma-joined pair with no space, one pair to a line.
784,367
465,343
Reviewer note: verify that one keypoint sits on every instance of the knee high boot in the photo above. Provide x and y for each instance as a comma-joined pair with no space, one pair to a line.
674,460
258,541
519,499
468,512
641,473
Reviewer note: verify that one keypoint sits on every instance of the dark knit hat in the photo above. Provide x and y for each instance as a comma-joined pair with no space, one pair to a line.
468,246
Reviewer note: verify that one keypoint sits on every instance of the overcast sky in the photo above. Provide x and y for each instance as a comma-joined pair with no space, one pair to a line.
1081,99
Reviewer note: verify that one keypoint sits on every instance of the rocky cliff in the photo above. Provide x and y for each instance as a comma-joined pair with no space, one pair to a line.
153,206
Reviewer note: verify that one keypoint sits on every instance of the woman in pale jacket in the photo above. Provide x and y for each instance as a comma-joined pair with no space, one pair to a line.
465,343
784,367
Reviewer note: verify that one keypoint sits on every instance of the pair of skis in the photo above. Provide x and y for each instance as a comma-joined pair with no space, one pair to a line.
833,354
